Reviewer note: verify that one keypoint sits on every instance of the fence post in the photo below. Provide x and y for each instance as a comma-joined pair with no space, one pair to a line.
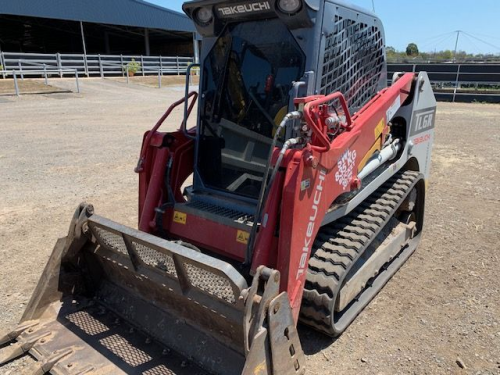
59,65
161,65
15,82
127,75
77,82
121,64
457,82
178,68
159,79
45,74
414,68
20,69
142,65
100,66
2,62
86,64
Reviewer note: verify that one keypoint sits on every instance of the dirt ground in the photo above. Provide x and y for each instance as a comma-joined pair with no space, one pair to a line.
440,313
153,81
38,86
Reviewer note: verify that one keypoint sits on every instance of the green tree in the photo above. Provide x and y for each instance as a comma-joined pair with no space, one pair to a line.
391,53
412,50
446,55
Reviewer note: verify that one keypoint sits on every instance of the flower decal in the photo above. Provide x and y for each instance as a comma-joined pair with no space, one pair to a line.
345,166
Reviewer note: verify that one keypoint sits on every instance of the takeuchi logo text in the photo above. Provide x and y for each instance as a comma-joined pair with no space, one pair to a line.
310,230
245,8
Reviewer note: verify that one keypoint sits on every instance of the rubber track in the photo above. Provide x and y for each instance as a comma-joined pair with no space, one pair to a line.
339,244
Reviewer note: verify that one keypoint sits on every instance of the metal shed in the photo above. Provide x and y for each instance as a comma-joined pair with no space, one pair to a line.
96,25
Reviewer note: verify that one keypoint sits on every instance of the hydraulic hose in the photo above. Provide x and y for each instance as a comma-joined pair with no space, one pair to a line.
291,142
264,191
160,211
290,116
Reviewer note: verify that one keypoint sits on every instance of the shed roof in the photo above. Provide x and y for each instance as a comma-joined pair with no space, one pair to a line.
136,13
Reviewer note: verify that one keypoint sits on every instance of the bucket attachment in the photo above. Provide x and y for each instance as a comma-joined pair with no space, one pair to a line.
113,300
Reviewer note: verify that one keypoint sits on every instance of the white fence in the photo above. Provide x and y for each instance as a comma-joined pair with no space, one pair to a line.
92,65
45,73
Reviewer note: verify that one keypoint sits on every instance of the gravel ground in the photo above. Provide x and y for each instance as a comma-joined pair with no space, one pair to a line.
439,315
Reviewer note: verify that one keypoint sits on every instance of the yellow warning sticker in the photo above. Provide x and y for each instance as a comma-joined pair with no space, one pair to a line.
242,237
260,369
180,217
379,129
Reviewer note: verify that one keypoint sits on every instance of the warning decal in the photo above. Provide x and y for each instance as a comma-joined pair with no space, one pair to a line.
242,237
379,129
180,217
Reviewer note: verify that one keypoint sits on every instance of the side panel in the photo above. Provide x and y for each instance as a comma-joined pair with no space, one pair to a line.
209,234
166,152
417,116
420,124
303,210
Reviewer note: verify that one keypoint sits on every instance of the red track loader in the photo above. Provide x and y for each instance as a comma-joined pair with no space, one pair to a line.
308,189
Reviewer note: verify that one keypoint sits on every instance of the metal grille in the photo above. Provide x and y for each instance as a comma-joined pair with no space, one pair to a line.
159,370
210,283
353,62
235,215
120,347
111,240
87,323
156,259
205,280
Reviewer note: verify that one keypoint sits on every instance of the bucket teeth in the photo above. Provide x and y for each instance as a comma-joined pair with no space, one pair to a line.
19,348
41,368
11,352
12,335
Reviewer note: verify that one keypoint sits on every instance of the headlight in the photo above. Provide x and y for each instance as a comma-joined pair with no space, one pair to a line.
289,6
203,15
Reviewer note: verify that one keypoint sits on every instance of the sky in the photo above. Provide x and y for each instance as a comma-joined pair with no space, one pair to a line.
429,23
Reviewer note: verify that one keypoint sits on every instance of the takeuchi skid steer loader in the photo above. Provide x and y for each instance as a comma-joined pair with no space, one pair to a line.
309,182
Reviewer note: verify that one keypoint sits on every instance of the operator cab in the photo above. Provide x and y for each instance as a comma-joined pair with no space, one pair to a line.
252,54
246,83
256,58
